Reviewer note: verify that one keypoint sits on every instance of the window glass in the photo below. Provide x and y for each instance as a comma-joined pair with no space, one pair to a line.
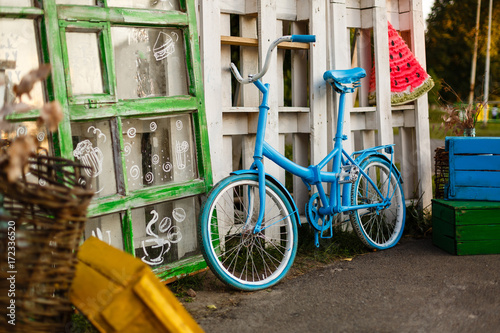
84,63
159,151
18,43
150,4
28,128
165,232
107,228
17,3
150,62
92,146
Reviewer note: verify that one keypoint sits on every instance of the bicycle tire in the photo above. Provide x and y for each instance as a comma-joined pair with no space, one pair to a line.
383,229
239,257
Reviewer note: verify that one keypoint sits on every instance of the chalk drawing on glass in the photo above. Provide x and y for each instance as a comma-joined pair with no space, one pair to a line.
181,149
131,132
173,235
155,159
153,126
149,177
135,172
98,233
21,131
40,136
179,125
164,46
91,156
96,131
127,149
167,167
179,214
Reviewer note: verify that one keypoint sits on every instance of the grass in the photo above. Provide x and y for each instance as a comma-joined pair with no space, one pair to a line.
492,127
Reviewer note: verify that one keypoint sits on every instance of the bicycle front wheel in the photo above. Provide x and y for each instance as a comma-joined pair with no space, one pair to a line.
239,257
378,229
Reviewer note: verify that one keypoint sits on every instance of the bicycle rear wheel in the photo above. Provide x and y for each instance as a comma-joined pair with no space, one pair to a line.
378,229
239,257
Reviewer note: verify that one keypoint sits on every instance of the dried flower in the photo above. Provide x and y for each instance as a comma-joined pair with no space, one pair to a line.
29,80
51,115
457,119
460,116
18,154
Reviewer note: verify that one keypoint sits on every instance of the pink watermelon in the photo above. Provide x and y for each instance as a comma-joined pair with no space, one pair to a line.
408,79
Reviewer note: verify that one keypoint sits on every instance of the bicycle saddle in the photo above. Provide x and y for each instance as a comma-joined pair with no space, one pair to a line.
340,78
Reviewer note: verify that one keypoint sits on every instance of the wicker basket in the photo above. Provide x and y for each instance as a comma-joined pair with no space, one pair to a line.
48,208
441,171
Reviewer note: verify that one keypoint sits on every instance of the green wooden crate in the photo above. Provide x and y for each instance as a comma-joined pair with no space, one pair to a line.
466,227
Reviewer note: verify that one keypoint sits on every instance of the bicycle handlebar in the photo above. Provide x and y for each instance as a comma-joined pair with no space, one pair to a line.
254,77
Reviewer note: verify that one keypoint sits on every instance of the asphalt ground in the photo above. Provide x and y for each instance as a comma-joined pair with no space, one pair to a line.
413,287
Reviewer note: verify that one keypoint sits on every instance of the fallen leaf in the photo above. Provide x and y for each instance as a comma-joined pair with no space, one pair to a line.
211,307
347,259
191,293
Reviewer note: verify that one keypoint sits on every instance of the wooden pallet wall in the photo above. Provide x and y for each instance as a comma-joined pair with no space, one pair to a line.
307,122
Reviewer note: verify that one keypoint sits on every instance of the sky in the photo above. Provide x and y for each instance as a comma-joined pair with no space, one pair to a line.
426,7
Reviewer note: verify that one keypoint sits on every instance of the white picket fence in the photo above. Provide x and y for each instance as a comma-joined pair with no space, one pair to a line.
348,33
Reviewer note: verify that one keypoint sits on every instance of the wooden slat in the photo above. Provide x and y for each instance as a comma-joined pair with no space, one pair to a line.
245,41
477,162
473,145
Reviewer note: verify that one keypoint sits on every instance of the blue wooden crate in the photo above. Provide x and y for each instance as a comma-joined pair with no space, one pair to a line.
474,168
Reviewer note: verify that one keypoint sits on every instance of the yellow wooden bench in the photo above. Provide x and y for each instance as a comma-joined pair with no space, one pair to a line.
119,293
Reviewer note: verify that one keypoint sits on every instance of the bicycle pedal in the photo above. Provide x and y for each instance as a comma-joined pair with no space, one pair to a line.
351,172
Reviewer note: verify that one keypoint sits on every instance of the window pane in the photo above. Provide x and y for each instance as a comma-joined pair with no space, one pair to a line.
18,43
28,128
166,232
150,4
17,3
158,151
93,147
107,228
76,2
149,62
84,63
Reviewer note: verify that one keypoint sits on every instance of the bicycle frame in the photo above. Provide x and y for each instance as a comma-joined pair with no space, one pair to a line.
313,175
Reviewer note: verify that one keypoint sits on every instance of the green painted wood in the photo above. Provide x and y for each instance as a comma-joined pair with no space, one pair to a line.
478,232
477,216
158,106
472,227
442,211
445,243
478,247
127,232
105,106
199,119
130,16
20,12
443,227
63,144
181,268
149,196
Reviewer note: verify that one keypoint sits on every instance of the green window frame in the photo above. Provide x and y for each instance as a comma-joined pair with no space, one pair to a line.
95,116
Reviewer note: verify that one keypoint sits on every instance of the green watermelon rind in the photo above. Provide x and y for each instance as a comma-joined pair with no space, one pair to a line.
405,97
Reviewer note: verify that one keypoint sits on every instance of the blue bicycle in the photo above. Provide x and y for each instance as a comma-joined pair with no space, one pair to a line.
248,224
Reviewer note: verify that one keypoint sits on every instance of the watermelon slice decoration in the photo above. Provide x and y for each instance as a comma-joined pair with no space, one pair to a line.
409,80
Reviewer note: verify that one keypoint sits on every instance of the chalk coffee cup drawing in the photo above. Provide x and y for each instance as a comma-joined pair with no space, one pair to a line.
90,156
164,46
